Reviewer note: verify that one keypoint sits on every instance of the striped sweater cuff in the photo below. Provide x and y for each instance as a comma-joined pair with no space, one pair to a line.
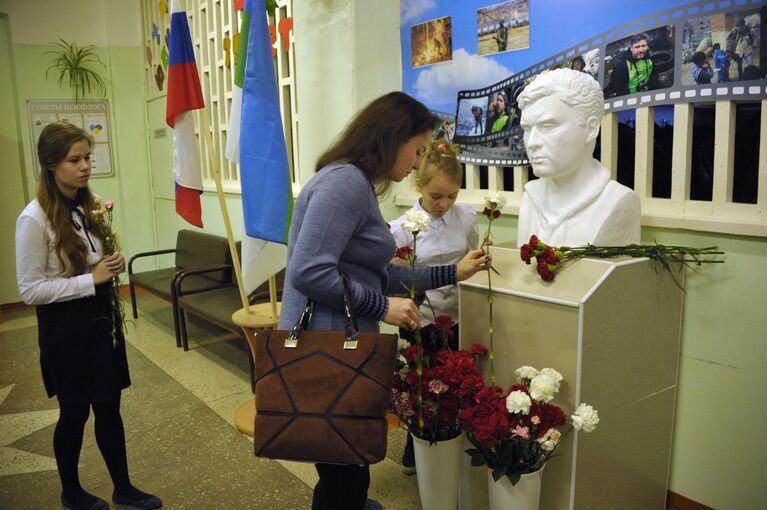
443,275
373,305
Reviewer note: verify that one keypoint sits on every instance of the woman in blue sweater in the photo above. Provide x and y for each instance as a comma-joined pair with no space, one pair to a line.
337,227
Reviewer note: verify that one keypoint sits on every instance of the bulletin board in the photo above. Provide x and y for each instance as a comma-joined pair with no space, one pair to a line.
90,114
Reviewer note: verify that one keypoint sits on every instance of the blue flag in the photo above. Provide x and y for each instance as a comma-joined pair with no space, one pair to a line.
267,197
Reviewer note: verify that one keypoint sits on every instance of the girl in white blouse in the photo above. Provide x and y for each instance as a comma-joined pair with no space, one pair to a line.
452,233
60,267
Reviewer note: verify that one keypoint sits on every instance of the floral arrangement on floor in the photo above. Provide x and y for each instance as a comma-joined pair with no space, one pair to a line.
514,432
550,259
447,381
494,202
102,217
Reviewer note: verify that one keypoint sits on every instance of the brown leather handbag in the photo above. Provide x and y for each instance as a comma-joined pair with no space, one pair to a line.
321,396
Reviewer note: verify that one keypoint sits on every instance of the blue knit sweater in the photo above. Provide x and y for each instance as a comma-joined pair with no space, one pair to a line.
337,226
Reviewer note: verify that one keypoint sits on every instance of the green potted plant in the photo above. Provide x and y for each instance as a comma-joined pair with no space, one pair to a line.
76,66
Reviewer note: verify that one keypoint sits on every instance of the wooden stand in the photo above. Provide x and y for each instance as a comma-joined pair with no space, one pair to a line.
258,317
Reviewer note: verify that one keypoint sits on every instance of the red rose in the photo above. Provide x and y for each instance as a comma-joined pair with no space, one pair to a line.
478,350
487,212
497,213
403,252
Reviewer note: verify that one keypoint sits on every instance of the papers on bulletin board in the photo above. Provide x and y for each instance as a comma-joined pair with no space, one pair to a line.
92,115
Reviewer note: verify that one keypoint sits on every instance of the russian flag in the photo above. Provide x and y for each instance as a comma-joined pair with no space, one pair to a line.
184,95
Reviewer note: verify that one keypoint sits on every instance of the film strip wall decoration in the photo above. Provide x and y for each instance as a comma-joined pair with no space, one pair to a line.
703,51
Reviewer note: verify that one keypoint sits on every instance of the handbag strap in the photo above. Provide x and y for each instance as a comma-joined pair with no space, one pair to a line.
350,319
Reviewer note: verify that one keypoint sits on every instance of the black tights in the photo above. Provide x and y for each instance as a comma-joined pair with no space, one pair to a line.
341,487
110,437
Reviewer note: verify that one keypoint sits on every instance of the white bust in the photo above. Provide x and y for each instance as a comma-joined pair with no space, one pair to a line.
574,202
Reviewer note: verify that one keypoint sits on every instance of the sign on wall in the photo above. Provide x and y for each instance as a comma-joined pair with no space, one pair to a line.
92,115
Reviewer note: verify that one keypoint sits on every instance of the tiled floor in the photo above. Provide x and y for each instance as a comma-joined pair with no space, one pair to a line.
182,444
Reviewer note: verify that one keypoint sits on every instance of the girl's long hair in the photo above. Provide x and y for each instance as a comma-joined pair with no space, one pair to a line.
372,139
53,146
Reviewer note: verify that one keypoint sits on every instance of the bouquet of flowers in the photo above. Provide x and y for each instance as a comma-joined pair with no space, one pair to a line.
102,217
515,431
446,383
550,259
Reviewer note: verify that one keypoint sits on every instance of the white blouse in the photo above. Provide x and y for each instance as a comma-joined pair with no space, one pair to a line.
39,272
446,242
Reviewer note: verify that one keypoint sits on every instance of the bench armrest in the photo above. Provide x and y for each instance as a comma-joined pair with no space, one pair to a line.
148,254
178,278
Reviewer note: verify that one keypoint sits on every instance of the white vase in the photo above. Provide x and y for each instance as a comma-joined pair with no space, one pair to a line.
525,495
438,470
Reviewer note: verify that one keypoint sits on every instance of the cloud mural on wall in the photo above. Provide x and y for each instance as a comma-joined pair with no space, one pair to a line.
412,9
440,83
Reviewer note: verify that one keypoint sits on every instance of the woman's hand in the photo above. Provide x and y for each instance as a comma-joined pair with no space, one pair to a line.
471,263
108,268
402,312
399,262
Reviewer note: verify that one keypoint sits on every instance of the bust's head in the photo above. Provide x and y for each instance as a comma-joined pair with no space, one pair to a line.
561,115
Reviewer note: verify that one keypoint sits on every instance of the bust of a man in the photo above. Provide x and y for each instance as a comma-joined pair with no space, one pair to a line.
574,202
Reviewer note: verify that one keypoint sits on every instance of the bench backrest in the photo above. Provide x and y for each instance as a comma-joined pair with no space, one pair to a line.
201,249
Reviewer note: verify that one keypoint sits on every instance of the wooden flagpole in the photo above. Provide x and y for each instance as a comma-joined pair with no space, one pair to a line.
213,159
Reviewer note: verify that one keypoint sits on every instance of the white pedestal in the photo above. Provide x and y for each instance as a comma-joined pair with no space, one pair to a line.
612,328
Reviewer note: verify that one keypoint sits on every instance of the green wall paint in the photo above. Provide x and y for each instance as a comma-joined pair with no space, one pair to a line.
130,184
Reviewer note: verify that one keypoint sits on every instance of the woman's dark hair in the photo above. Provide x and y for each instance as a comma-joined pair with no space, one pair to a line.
372,139
53,146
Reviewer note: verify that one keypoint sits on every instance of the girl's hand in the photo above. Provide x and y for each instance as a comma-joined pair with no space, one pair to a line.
108,268
471,263
115,263
399,262
402,312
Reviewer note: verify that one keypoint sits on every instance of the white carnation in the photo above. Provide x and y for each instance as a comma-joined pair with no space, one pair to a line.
495,200
543,387
518,402
585,418
554,375
416,221
526,372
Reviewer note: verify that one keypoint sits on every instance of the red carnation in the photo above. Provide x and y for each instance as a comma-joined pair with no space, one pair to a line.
550,256
497,213
526,253
478,350
545,270
487,212
533,241
444,321
403,252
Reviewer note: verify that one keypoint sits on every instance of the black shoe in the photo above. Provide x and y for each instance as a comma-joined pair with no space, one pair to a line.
147,503
408,457
98,504
372,504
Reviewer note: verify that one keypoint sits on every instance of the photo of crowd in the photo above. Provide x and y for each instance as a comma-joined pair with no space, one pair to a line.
721,48
640,63
503,27
431,42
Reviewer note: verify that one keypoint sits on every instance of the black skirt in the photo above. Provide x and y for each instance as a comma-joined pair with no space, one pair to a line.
78,359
